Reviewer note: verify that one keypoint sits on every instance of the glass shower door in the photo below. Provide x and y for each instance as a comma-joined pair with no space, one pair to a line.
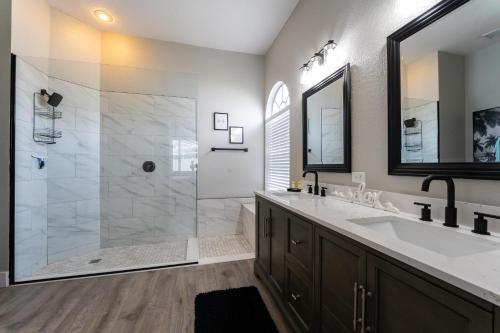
117,191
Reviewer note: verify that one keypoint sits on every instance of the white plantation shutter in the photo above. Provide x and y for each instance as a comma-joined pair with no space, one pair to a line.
278,151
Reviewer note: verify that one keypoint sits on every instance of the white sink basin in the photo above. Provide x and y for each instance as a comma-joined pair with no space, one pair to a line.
448,242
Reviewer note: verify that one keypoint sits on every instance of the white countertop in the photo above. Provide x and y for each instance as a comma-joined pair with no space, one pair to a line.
477,273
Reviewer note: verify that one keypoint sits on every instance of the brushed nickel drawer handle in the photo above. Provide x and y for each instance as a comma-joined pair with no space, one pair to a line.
362,320
355,311
296,297
296,242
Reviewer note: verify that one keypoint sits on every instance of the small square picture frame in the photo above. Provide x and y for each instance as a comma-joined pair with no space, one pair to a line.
221,121
236,135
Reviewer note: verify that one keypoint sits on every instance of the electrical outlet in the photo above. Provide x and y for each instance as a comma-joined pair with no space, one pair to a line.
359,177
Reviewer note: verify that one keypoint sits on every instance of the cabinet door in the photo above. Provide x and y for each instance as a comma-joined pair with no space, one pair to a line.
340,275
277,223
399,301
262,245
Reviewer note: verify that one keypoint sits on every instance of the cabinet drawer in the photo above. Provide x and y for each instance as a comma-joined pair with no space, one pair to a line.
299,296
299,242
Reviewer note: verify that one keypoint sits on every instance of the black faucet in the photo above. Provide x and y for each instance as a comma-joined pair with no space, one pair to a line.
316,186
450,213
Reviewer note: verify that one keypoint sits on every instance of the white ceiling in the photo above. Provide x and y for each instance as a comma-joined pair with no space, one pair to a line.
248,26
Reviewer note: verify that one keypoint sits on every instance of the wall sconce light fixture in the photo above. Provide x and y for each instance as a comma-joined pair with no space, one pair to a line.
312,67
304,73
329,46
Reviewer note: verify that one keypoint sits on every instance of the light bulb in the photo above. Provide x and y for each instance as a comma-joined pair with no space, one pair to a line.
103,16
304,74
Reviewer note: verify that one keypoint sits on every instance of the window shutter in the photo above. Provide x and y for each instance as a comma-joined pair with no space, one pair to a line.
278,151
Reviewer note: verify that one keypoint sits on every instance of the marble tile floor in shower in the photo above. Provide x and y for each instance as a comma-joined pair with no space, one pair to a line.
115,259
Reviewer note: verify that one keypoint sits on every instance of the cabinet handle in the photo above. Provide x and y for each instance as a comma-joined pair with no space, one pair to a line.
363,308
355,311
296,242
364,295
368,295
296,297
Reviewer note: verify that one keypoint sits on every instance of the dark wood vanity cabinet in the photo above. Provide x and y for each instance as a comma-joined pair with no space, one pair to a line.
270,246
400,301
325,282
340,275
262,246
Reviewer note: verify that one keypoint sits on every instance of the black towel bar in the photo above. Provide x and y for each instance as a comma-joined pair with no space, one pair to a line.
235,149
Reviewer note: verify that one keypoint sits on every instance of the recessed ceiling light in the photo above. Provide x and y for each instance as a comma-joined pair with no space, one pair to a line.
103,16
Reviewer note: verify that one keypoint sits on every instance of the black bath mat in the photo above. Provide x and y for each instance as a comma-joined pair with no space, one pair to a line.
234,310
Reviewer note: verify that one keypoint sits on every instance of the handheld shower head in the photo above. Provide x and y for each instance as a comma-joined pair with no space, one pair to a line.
53,100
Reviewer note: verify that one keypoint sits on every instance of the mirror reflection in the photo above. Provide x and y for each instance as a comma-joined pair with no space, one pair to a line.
325,125
450,79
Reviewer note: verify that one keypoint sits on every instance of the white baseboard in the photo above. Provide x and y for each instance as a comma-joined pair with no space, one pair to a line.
4,279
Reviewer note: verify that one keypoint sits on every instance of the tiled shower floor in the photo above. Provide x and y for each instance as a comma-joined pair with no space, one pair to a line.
115,259
224,248
211,250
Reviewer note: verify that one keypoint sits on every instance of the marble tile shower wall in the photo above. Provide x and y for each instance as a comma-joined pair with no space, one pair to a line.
30,181
139,207
73,174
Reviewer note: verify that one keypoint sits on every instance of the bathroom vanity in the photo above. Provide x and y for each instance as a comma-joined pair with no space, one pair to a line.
335,266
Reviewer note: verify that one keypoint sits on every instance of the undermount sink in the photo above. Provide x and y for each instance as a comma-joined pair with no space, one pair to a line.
450,243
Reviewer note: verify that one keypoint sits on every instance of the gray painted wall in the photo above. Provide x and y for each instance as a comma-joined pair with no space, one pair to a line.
360,27
5,26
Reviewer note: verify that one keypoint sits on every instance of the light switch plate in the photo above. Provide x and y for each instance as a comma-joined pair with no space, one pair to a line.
359,177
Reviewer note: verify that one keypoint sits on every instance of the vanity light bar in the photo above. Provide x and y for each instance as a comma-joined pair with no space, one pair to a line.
318,57
330,45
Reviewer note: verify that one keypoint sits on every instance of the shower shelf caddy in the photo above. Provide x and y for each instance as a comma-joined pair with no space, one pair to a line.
46,115
413,142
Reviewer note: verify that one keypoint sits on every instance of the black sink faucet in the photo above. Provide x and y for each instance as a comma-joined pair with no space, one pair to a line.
450,213
316,186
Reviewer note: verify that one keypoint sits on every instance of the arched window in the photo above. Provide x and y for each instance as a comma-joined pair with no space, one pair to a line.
277,148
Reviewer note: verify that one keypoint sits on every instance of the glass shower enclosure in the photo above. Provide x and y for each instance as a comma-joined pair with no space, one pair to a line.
105,179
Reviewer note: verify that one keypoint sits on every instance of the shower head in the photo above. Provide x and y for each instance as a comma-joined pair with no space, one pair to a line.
53,100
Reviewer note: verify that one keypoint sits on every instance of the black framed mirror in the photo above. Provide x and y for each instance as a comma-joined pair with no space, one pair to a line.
326,124
443,90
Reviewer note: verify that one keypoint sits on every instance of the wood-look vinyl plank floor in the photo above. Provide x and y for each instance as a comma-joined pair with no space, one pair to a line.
150,301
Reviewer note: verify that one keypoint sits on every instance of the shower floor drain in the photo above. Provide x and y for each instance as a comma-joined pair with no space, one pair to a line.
95,261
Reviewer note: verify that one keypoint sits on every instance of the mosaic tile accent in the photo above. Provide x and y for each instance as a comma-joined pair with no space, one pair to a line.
115,259
224,246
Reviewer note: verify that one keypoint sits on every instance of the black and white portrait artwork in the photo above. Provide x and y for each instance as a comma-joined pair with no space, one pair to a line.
486,126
